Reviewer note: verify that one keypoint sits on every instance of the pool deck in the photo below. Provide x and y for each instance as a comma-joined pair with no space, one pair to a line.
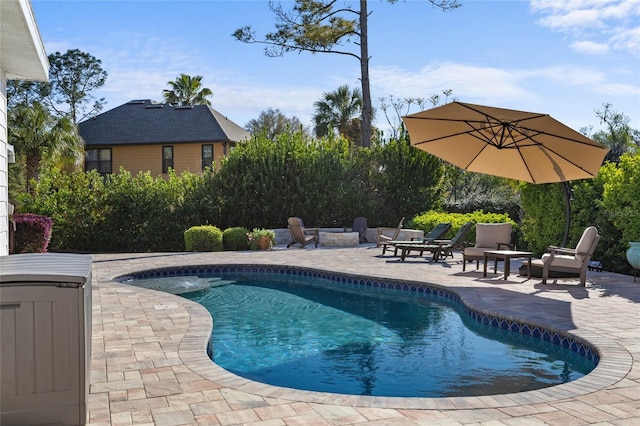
149,364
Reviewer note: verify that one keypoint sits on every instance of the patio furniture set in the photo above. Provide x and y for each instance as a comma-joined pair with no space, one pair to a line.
493,243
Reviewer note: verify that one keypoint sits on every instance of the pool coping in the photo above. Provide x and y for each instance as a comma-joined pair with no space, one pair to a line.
614,364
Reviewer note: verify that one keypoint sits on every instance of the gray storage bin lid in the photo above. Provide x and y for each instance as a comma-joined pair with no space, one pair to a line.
41,268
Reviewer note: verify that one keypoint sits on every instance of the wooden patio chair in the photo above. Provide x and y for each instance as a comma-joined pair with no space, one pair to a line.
489,236
561,259
383,234
360,226
300,234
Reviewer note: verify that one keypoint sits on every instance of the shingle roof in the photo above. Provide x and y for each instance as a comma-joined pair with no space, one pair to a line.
145,122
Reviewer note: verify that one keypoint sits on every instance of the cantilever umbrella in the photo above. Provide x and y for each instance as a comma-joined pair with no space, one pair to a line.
515,144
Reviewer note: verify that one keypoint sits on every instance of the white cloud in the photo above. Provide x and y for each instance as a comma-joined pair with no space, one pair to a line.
590,47
593,23
533,88
242,103
587,79
627,39
480,83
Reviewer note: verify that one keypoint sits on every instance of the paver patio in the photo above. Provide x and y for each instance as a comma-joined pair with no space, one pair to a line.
149,364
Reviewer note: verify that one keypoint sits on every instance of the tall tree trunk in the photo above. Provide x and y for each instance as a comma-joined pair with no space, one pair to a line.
33,164
367,109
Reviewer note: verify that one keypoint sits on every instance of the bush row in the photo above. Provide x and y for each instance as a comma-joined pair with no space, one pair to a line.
260,184
211,238
328,183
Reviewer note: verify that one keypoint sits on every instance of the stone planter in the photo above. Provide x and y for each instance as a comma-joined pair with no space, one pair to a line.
633,254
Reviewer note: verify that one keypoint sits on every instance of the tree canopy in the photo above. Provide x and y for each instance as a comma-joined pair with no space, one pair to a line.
339,110
619,137
326,26
40,137
273,122
73,77
187,90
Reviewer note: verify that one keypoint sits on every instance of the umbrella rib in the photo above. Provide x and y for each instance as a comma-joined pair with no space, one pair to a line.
554,135
526,165
568,160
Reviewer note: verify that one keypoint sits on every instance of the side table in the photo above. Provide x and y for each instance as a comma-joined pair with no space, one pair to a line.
506,256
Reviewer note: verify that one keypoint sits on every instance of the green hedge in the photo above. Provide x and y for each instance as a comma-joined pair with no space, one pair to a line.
259,185
428,220
119,213
328,183
609,202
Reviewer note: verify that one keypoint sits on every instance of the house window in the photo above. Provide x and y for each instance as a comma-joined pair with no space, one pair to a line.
99,160
207,156
167,158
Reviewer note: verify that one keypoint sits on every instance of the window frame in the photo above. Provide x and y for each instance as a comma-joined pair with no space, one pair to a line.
205,160
167,163
98,162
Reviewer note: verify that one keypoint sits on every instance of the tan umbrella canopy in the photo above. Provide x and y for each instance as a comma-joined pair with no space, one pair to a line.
521,145
515,144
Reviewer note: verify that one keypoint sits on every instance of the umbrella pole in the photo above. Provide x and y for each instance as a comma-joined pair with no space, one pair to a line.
567,197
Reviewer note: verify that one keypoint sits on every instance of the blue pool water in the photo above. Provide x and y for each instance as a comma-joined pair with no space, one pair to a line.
313,334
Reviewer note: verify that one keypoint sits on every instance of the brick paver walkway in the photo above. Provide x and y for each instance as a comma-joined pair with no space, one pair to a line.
149,364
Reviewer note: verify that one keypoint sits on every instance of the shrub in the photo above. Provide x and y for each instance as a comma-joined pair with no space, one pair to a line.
203,238
235,239
33,232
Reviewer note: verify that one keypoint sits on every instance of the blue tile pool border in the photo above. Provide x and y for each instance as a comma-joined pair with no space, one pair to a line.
564,340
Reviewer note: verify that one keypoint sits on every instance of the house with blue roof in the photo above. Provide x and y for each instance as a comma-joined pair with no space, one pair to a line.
142,135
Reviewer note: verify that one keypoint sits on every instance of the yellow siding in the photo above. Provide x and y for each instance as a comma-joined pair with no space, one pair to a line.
186,157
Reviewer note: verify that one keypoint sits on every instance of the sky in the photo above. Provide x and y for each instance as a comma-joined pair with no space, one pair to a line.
565,58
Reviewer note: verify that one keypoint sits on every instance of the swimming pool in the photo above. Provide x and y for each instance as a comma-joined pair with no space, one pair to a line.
426,333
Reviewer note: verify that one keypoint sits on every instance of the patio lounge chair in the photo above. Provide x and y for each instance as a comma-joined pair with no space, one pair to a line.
437,232
437,247
360,226
561,259
489,236
300,234
383,236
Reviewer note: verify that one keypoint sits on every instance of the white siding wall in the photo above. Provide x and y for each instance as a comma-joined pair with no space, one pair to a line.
4,169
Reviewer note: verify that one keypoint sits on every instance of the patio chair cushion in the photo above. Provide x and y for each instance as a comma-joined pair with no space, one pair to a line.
584,245
488,235
475,251
562,260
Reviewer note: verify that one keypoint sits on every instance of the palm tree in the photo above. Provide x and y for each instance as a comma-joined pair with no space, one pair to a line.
41,138
338,110
187,90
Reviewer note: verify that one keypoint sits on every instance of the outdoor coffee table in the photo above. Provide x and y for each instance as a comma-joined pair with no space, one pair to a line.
506,256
